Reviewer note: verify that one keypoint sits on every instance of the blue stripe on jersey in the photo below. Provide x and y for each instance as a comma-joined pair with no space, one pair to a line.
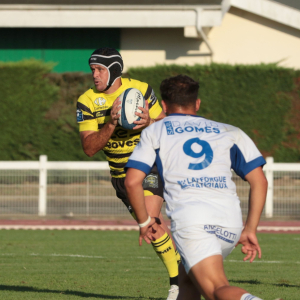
138,165
239,165
159,166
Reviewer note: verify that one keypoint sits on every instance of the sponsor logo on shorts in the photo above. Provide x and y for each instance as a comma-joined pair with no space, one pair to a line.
79,115
151,181
221,233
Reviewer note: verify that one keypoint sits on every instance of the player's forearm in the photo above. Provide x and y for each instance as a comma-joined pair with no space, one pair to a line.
256,205
257,198
135,192
136,198
97,141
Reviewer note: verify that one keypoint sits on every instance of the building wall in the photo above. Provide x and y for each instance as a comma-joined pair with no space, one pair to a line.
68,48
243,38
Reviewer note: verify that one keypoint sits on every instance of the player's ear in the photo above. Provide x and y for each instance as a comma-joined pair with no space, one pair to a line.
198,102
164,106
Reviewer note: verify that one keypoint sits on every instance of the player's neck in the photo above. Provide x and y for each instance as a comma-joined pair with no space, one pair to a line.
114,87
182,110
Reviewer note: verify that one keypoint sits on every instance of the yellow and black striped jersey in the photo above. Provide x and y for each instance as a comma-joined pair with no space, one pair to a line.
93,111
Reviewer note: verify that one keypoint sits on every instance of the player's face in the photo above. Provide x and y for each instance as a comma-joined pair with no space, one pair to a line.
100,76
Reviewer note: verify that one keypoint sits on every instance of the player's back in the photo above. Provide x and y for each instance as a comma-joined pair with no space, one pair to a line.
195,157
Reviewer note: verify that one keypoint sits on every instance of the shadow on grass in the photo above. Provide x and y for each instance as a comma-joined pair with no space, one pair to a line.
16,288
246,281
283,284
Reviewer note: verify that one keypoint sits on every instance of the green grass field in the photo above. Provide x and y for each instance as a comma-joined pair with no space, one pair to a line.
111,265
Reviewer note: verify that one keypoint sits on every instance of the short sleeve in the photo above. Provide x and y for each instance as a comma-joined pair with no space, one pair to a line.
85,115
244,155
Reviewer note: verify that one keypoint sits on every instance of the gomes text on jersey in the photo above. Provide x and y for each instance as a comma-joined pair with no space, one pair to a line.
198,126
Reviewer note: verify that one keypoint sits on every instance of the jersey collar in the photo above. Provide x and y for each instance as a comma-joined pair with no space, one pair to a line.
178,114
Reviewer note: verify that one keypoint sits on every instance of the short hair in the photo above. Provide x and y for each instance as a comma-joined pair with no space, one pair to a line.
180,90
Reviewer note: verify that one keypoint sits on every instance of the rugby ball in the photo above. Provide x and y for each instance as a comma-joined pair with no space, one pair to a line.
130,99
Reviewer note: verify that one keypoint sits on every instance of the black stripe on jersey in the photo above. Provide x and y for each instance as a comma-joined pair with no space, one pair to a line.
112,155
116,165
148,92
156,245
84,108
116,173
100,126
102,113
136,133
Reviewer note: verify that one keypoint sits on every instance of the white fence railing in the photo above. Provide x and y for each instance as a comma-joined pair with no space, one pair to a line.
84,189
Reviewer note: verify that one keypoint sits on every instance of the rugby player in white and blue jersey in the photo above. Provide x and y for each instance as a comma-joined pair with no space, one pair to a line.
195,157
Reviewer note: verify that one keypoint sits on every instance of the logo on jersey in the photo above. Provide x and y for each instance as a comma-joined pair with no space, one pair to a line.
218,182
196,126
79,115
206,151
100,101
169,127
153,98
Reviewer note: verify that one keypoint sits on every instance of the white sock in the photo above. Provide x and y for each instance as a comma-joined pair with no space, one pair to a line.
249,297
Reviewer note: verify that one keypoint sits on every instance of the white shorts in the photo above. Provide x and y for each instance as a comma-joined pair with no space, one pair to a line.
199,242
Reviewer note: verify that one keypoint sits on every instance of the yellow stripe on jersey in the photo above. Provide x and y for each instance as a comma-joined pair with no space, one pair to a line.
95,108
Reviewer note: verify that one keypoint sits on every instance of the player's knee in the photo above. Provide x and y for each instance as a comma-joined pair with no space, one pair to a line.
219,290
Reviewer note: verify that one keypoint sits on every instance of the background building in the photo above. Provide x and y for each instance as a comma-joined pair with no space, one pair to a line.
151,32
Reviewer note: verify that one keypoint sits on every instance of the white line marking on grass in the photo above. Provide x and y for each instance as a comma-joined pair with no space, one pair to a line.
264,261
66,255
69,255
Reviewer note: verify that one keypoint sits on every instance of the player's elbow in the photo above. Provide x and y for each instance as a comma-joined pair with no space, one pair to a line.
88,152
131,181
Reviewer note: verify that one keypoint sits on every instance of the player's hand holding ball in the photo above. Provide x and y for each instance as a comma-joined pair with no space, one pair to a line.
134,112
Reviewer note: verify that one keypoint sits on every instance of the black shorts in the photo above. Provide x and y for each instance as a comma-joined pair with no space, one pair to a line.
152,185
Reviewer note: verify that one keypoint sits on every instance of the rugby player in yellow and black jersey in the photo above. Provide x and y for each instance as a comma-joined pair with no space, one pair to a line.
97,115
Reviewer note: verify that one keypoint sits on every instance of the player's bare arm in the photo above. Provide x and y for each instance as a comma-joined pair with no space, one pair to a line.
94,141
258,191
145,117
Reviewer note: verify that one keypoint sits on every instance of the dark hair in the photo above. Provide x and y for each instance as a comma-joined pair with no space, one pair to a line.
179,90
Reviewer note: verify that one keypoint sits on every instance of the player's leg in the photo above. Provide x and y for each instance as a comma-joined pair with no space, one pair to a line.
155,207
187,288
163,244
168,231
209,278
201,248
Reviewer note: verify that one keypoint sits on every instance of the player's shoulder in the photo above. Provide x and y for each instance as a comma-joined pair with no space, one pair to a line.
89,95
133,83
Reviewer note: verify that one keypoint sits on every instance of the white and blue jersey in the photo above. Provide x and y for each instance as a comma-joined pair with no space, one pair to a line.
195,157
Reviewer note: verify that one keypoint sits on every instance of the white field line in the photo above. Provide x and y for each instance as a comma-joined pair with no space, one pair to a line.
143,257
119,227
263,261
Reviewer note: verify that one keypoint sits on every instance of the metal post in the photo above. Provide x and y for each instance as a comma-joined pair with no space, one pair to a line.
43,186
269,175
